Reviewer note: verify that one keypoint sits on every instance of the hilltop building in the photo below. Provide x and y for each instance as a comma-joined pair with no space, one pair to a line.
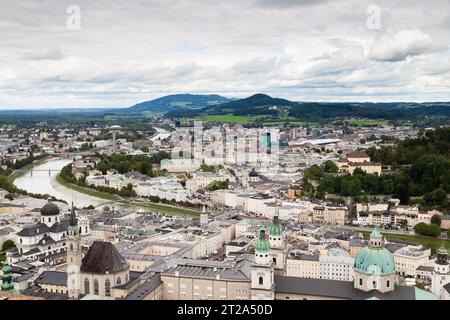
360,160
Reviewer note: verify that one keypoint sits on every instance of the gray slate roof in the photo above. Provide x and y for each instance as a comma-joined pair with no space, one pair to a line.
144,289
52,278
103,257
337,289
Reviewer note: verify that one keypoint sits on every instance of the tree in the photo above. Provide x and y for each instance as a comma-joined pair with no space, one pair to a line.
216,185
436,219
434,230
8,244
421,228
431,230
329,167
9,196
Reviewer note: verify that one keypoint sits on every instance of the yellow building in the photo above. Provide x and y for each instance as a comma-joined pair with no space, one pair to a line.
359,160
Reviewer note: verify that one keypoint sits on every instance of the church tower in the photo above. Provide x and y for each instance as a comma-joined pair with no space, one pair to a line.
441,273
262,271
73,257
276,240
204,218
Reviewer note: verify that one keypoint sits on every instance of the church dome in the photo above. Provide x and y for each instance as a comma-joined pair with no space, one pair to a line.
262,245
253,173
276,229
50,209
375,259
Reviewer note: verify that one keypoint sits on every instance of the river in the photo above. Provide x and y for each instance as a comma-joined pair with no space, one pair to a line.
43,183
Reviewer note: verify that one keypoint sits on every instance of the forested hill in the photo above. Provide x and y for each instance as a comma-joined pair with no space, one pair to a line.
175,101
264,105
421,173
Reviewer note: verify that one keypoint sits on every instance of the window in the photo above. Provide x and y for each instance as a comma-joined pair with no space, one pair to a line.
388,283
119,281
374,284
261,281
360,281
49,219
96,287
71,247
275,260
107,288
86,286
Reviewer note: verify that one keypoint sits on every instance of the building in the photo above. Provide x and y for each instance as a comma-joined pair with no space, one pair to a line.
359,160
276,241
375,266
74,257
180,165
262,270
205,280
48,236
441,275
409,258
330,214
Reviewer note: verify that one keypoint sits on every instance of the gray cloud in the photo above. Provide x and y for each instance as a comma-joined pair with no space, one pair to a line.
131,51
44,54
288,3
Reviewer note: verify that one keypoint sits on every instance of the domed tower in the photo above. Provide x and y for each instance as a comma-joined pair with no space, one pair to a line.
374,266
276,232
74,257
262,271
441,273
50,213
276,240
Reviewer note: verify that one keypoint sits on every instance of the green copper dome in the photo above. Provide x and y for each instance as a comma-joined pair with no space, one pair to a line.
262,244
275,229
442,251
377,261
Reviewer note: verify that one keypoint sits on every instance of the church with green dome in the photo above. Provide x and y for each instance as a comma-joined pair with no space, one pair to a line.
374,266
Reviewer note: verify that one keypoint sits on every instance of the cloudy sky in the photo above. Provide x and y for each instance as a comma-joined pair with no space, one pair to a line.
119,53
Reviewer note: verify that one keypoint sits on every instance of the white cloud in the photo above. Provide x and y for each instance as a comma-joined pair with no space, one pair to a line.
403,44
136,50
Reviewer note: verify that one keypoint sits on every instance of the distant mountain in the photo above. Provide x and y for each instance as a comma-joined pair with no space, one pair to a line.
256,104
275,108
175,101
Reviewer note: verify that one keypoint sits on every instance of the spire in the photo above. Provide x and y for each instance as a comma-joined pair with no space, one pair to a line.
276,229
262,233
262,245
73,217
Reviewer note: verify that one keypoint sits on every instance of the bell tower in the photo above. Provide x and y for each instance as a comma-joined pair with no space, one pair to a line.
262,271
73,257
276,240
441,273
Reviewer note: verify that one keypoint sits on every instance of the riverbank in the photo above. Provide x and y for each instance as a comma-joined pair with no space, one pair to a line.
88,192
62,186
20,172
